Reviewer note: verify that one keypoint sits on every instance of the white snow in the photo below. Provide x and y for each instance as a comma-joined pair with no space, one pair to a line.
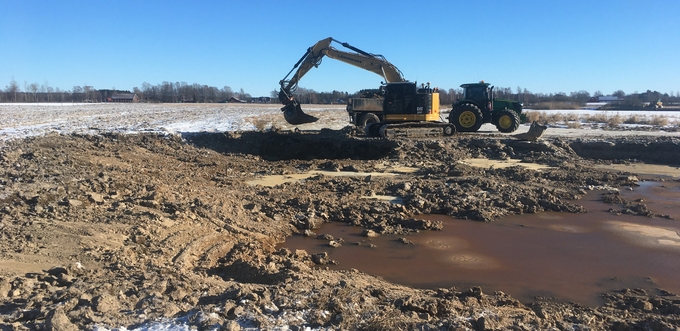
672,115
22,120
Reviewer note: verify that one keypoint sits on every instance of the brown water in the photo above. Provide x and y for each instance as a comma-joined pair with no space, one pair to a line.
568,257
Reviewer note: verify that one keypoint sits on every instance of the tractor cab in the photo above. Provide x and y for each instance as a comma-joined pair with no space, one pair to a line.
479,93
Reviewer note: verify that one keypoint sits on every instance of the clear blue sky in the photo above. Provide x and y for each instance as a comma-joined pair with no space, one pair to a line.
543,46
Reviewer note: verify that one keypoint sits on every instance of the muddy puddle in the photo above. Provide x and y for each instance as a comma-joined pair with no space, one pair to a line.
274,180
560,256
488,163
644,169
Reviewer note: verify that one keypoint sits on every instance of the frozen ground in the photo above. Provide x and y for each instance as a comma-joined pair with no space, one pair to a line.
24,120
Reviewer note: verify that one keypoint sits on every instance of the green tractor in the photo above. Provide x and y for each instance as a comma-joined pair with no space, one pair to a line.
479,106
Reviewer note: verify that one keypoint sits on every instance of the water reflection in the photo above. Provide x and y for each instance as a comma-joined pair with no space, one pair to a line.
570,257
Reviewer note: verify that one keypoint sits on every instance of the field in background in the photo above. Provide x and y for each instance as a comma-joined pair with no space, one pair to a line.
573,118
24,120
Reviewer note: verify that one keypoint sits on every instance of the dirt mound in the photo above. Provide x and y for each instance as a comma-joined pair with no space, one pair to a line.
277,146
663,150
121,229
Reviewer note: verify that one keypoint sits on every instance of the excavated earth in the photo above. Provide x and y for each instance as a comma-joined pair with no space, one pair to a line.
108,231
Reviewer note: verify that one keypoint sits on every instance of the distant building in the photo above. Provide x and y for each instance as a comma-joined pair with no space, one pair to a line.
124,97
606,99
235,100
261,100
595,103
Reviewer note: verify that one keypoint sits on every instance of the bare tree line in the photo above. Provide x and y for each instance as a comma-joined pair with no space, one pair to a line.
182,92
164,92
169,92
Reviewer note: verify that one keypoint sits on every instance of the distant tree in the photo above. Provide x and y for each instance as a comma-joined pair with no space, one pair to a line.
150,92
166,92
59,95
89,93
598,93
183,92
452,94
77,94
138,92
12,89
561,97
226,93
526,97
580,96
444,97
34,90
43,91
619,94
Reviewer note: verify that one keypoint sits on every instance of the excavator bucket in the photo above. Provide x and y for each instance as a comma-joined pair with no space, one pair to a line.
292,111
294,115
535,131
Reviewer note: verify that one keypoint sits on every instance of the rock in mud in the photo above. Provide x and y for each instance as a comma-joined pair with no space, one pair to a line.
57,320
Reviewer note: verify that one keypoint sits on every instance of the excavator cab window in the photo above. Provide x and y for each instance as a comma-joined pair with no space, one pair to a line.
399,98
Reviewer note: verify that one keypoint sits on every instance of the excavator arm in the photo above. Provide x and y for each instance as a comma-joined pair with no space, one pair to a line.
312,58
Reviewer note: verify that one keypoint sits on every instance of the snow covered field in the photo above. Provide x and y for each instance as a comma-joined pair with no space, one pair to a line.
24,120
673,115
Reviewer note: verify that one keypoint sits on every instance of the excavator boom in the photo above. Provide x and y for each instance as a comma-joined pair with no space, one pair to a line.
312,58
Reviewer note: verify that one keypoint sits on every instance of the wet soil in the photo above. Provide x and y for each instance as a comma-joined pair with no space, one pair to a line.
558,256
117,230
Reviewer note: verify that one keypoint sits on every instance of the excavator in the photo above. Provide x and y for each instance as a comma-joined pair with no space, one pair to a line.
404,107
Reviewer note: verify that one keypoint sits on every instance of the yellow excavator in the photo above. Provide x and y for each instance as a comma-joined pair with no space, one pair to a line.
403,108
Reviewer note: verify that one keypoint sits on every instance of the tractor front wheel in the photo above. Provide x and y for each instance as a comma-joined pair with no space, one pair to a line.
507,121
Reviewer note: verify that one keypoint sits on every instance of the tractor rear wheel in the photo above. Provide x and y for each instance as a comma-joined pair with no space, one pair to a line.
466,117
507,121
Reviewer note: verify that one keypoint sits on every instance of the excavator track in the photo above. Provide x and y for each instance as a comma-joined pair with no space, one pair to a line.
410,130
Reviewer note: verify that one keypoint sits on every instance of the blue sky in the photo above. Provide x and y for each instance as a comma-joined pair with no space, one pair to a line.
543,46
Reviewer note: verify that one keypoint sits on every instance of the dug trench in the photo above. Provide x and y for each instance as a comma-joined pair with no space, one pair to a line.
118,230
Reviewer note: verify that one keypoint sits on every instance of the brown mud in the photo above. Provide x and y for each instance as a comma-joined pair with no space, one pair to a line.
561,256
117,230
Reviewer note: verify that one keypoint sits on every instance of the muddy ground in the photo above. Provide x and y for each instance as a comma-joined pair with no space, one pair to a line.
117,230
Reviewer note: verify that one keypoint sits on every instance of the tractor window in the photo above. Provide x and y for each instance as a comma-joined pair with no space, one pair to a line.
475,93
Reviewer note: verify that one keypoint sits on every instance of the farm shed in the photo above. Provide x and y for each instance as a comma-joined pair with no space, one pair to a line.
124,97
